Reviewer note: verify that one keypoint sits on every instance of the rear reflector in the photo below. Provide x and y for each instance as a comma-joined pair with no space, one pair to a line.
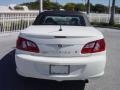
26,45
93,47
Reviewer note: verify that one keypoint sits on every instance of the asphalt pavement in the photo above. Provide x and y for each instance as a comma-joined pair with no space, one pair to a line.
9,80
111,79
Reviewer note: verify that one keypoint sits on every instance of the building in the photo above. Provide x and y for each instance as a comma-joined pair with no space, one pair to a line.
5,8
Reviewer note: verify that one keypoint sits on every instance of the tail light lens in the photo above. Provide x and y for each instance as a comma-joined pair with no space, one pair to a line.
26,45
93,47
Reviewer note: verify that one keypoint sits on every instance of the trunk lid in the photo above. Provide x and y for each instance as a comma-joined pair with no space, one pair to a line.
66,43
69,31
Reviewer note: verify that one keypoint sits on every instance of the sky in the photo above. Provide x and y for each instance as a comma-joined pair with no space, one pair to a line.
105,2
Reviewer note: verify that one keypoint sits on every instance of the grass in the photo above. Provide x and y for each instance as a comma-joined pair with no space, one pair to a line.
106,25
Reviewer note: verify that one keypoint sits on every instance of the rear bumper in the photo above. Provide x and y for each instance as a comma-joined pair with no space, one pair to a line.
81,68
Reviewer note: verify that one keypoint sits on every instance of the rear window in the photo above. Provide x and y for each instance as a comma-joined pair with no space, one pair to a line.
60,20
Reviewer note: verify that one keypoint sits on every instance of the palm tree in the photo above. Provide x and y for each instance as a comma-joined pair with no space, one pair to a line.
88,6
111,22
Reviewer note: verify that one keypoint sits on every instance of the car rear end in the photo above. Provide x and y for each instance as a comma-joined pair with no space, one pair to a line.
55,55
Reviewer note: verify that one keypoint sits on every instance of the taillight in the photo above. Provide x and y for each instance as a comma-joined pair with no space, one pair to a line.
26,45
94,46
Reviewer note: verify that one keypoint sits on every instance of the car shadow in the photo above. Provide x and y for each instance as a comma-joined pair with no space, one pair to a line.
10,80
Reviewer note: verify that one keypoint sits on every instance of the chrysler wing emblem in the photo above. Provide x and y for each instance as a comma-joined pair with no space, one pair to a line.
60,45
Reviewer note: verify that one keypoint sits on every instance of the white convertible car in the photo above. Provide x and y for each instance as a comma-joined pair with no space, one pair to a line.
60,45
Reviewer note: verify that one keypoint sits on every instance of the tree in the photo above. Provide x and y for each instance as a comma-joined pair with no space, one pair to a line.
117,9
47,5
88,6
112,21
100,8
80,7
70,6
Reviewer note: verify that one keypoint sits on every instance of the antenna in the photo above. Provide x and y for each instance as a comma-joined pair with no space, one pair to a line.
60,28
